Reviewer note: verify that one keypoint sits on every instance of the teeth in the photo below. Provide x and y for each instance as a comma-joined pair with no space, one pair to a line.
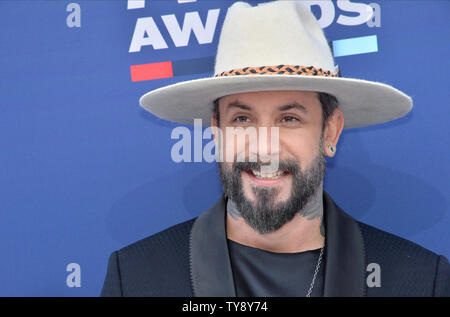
267,175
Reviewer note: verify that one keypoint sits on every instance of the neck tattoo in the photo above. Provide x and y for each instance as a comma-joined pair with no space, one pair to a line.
314,209
232,210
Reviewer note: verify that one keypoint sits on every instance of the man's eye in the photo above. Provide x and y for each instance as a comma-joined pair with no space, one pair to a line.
289,119
241,119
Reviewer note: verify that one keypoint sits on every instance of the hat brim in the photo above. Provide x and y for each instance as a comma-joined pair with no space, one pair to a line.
362,102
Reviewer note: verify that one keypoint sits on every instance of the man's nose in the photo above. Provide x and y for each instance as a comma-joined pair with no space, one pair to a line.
267,144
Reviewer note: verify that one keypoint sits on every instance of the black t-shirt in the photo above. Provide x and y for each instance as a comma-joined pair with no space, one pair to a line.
261,273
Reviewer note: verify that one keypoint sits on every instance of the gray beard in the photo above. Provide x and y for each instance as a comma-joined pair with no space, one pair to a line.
265,215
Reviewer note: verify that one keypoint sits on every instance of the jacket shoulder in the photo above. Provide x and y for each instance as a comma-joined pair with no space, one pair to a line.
157,265
380,240
171,238
407,269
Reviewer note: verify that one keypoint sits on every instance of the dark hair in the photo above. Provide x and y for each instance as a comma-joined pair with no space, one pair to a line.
328,102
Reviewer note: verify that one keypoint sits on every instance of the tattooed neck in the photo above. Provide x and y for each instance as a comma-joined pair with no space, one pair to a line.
314,209
232,210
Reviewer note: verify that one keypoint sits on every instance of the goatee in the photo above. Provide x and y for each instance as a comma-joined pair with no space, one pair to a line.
265,215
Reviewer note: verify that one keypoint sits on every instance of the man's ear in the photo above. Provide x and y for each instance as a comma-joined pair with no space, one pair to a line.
333,130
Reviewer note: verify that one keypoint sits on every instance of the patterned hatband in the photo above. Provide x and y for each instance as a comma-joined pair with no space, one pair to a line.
278,70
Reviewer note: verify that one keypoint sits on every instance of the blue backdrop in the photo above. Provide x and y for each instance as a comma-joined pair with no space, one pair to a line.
84,170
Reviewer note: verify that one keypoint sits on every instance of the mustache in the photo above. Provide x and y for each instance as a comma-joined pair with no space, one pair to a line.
290,166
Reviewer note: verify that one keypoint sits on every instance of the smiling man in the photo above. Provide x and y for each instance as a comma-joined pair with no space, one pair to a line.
281,211
276,232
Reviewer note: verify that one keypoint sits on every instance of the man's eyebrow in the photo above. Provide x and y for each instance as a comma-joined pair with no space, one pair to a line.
294,105
238,104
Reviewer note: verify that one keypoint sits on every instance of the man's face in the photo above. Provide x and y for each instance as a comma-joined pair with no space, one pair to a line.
268,201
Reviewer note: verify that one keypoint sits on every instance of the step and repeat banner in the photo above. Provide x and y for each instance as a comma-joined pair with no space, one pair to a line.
84,170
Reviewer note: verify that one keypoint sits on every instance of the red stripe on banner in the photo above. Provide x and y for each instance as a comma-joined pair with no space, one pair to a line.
151,71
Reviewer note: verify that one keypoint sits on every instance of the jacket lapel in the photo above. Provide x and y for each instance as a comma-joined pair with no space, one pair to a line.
210,269
344,253
210,265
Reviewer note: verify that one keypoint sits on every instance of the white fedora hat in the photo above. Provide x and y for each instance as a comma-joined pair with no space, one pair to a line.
276,45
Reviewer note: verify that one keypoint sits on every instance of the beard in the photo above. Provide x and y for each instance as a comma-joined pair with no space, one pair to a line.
265,215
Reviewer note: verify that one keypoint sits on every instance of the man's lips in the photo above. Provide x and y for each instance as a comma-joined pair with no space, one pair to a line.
267,179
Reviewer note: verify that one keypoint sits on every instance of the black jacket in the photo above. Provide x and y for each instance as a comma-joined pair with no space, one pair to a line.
191,259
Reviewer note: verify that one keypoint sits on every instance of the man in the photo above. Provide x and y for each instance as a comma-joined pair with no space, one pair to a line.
275,231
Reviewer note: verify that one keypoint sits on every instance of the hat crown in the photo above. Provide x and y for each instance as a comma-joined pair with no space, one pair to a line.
272,33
